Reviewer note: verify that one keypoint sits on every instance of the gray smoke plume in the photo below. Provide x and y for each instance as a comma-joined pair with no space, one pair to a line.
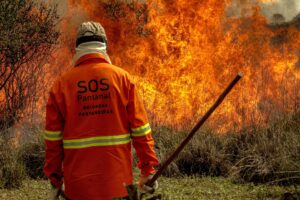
278,10
240,8
287,8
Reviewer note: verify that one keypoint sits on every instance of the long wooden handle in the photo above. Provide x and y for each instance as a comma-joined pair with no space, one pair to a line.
194,130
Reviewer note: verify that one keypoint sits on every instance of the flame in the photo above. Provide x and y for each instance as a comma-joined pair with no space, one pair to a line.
183,54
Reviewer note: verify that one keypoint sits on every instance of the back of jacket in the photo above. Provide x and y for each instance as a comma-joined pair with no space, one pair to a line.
93,116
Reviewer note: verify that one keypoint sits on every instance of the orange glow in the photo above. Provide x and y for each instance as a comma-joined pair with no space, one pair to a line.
184,53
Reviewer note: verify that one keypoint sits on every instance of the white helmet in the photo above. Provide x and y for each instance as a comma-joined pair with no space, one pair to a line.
90,31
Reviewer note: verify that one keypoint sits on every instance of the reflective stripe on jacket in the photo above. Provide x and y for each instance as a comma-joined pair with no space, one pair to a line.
93,116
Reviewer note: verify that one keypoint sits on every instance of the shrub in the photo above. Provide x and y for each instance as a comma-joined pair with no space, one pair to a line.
28,30
12,171
257,155
270,155
32,156
165,141
19,162
204,155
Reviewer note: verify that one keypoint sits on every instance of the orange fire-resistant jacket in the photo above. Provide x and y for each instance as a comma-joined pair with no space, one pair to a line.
93,116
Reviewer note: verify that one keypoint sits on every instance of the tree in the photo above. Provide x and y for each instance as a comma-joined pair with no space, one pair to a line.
28,33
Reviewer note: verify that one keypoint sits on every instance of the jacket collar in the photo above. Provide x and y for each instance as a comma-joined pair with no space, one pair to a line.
91,56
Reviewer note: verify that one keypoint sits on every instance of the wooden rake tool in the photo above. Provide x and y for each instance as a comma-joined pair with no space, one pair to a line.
132,189
195,129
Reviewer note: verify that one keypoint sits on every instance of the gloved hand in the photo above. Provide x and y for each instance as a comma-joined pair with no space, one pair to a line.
145,188
54,193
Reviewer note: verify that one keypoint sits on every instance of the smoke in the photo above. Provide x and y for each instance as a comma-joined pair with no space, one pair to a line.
240,8
271,9
287,8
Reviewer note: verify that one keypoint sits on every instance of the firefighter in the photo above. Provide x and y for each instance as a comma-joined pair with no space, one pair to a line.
93,117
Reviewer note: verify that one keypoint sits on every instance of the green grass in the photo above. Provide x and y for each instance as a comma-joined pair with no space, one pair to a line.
31,190
186,188
218,188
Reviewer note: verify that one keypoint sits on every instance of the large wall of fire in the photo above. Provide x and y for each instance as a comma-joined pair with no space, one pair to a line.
182,54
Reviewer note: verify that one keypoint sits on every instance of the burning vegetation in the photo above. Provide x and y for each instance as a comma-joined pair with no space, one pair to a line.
183,52
27,39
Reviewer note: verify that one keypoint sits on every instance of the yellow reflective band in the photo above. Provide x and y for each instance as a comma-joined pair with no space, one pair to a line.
141,131
52,135
96,141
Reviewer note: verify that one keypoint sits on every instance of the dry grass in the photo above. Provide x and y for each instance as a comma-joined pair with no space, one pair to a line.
260,155
270,155
12,171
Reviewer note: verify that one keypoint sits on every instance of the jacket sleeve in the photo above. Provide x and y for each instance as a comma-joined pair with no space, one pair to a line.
53,140
141,133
